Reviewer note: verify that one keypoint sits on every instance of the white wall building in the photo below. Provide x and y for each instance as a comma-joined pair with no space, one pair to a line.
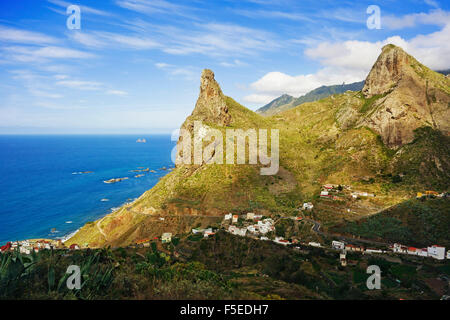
314,244
422,252
436,252
237,231
338,245
308,206
374,251
250,216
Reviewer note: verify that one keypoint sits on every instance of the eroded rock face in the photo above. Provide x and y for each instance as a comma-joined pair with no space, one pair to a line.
387,71
211,107
408,97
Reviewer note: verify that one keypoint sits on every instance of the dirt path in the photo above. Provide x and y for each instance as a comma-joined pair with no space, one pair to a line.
100,229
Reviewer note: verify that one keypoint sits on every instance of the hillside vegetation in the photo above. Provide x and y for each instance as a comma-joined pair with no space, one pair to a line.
366,140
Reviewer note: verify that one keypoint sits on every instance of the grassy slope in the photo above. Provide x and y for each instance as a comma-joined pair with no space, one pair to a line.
413,222
319,144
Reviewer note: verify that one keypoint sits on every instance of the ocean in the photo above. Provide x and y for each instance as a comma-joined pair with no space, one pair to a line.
46,191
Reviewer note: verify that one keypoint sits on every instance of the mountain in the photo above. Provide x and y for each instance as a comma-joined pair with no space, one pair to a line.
444,72
402,95
285,99
391,139
286,102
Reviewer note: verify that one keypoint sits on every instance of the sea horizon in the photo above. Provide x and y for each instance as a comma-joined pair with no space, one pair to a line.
52,184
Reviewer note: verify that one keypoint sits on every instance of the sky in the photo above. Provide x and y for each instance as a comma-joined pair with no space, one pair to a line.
134,66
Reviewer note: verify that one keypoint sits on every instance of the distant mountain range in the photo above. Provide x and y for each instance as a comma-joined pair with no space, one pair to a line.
286,102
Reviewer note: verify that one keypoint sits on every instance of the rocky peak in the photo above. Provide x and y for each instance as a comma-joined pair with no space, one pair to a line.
387,71
405,95
211,108
211,105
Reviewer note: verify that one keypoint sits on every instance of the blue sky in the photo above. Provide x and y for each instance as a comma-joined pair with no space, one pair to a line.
134,66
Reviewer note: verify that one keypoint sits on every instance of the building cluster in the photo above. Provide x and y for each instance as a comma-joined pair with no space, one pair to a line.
357,194
331,191
432,194
208,232
253,224
434,251
29,246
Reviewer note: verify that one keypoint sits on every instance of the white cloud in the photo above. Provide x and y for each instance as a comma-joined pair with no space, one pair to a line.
80,85
234,63
24,36
435,17
60,76
350,61
98,39
432,3
37,85
156,7
218,40
84,9
86,39
117,92
260,99
163,65
33,54
59,106
188,72
271,14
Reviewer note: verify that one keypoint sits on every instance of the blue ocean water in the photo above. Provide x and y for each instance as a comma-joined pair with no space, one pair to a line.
39,192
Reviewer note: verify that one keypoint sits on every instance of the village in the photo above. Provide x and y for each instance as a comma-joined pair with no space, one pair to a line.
259,227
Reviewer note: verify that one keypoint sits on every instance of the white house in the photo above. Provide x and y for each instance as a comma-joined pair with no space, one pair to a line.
338,245
422,252
197,230
436,252
374,251
250,216
323,193
237,231
252,228
166,237
280,240
228,216
343,258
398,248
265,226
264,238
314,244
307,206
448,254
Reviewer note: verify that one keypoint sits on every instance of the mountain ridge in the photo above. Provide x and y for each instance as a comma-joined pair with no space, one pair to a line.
285,101
334,140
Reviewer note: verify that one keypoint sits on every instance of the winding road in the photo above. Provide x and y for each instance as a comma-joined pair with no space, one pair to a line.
316,227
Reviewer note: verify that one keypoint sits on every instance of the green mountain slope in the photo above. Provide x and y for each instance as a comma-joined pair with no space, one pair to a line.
335,140
413,222
286,102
